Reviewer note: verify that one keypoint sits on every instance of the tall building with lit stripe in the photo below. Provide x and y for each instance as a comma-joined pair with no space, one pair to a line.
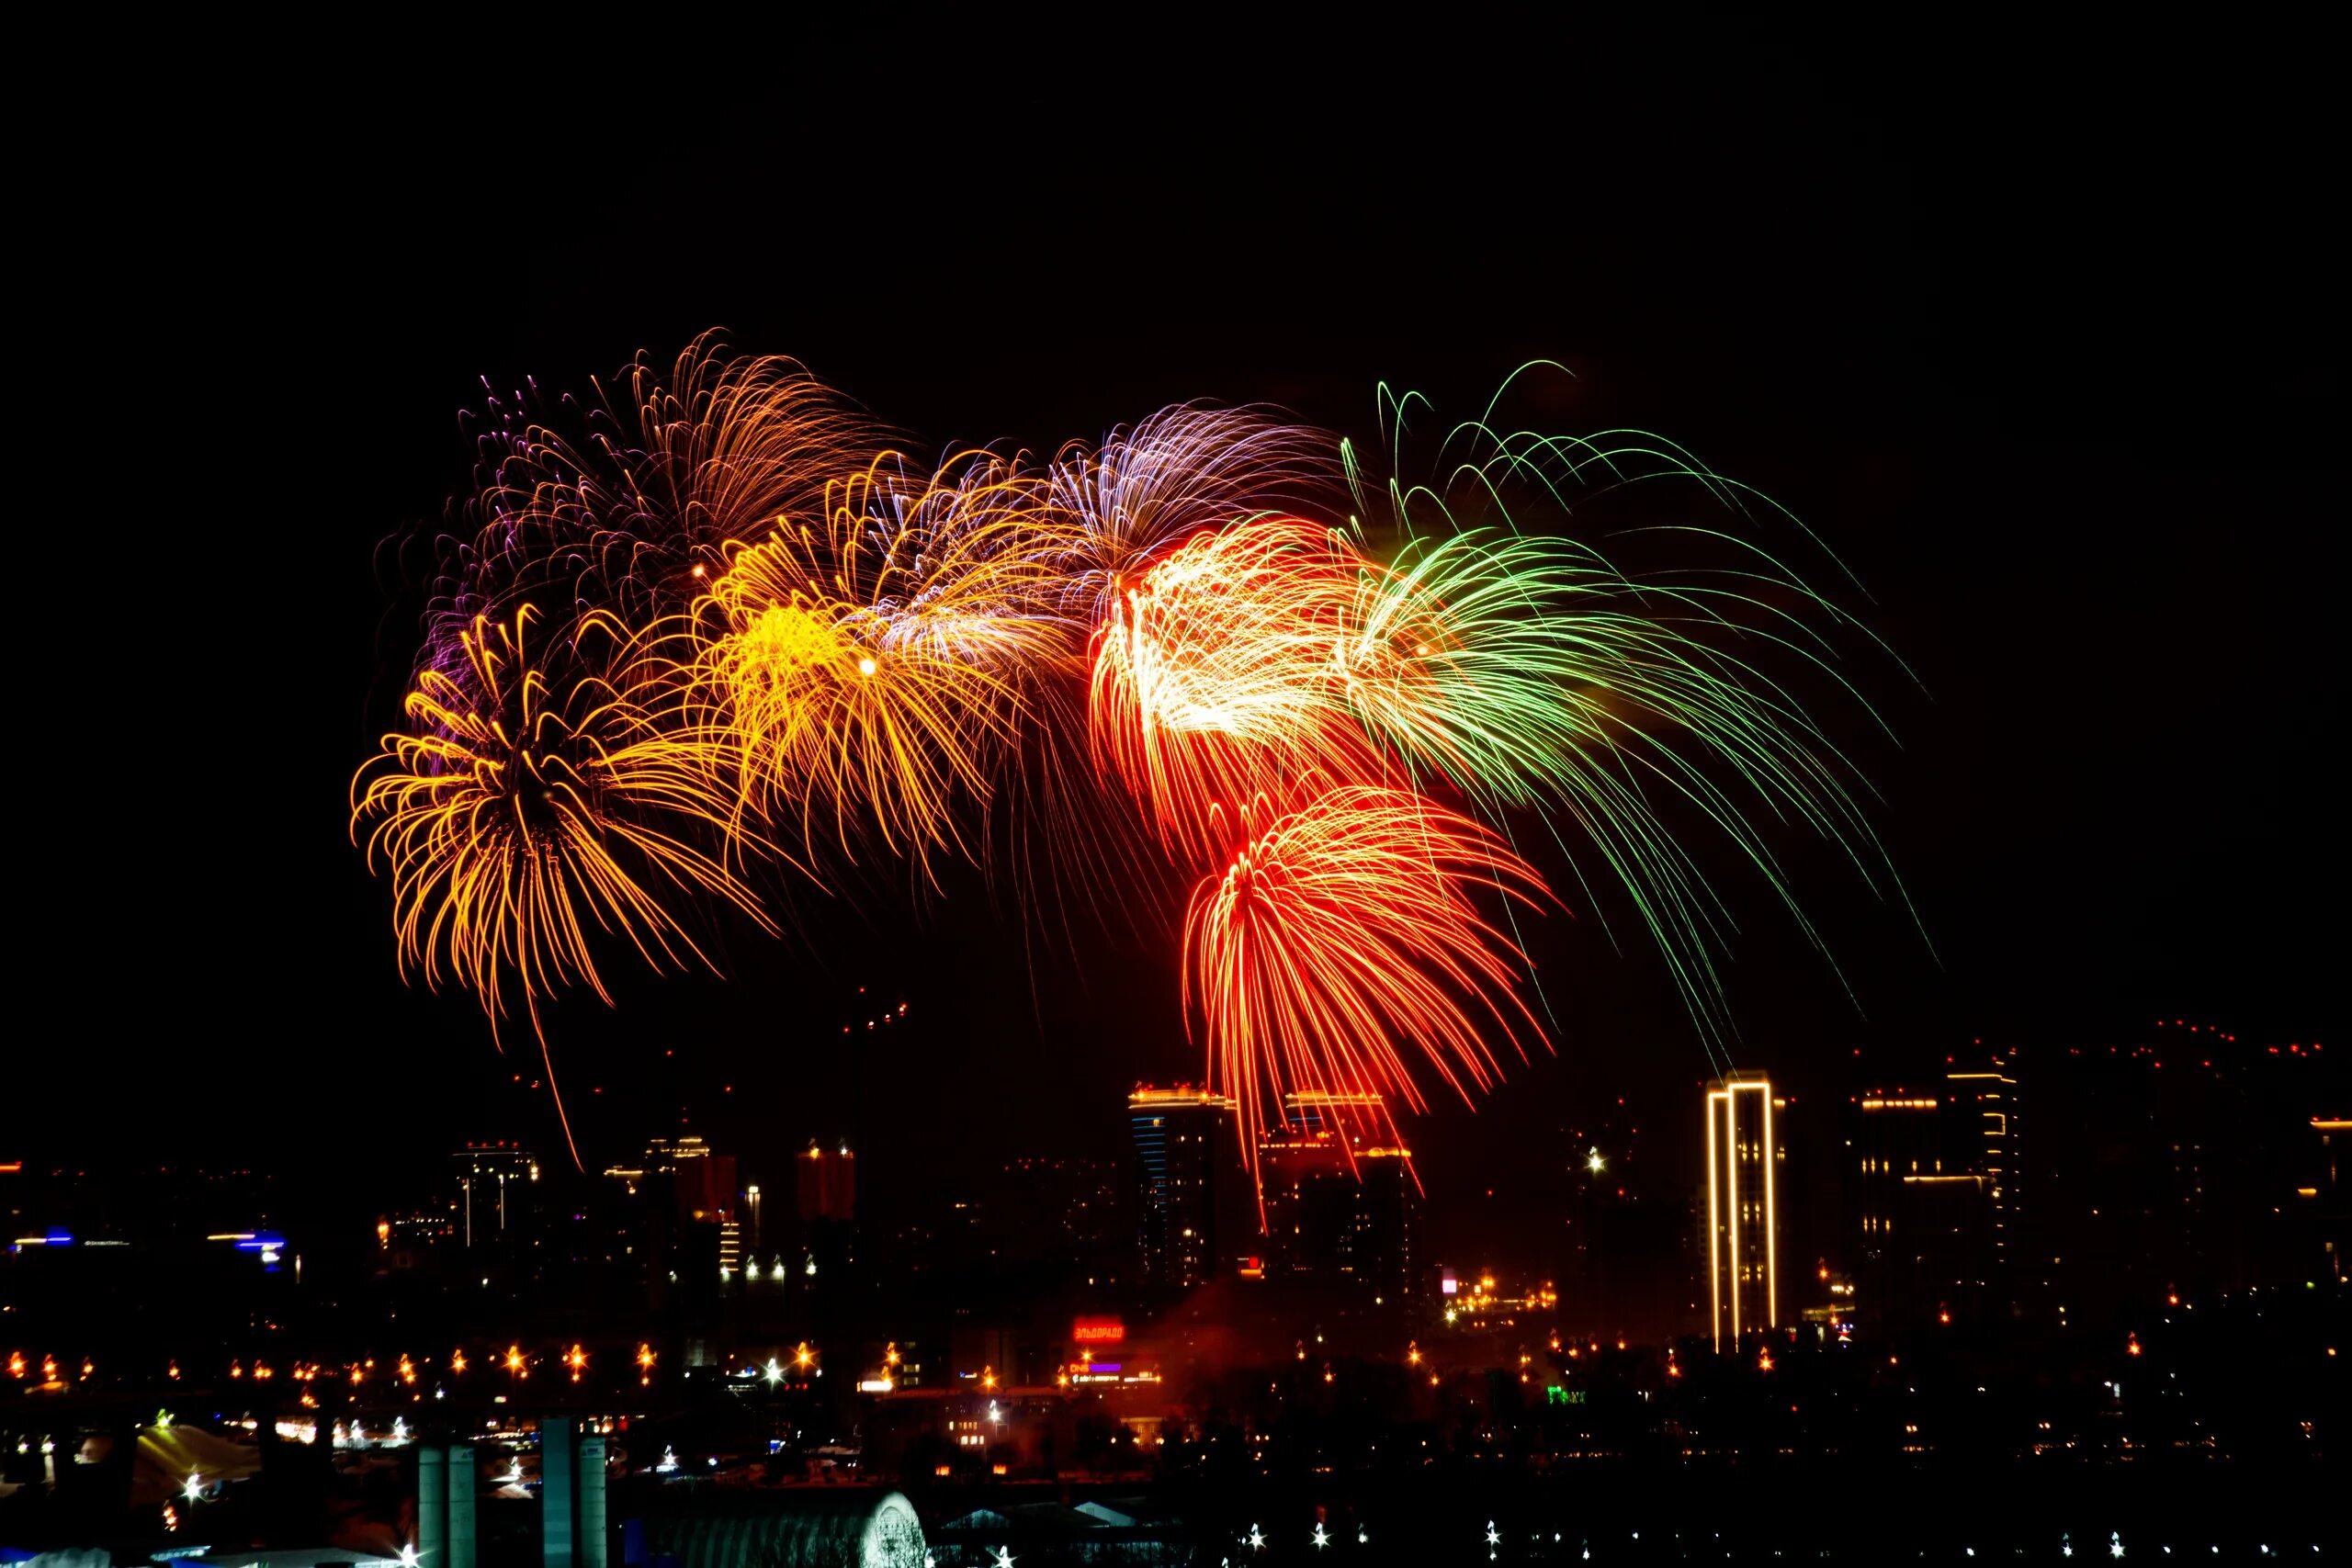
1342,1206
1993,1097
1178,1133
1743,1220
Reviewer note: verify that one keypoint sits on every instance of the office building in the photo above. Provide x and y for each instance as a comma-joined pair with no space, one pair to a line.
1341,1201
828,1183
496,1196
1986,1103
1181,1136
1742,1213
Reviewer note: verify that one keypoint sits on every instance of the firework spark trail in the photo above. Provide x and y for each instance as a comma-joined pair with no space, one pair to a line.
521,810
1340,941
1557,683
866,676
629,509
1109,513
1208,686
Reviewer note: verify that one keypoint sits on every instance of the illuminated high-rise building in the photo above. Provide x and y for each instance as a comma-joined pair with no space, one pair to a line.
1178,1134
1341,1205
495,1191
828,1183
1989,1100
1926,1242
1742,1216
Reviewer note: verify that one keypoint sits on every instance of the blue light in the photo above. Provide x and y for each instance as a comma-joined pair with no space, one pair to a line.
60,1238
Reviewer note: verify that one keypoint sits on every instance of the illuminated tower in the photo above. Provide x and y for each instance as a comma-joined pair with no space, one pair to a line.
1993,1095
1742,1224
1178,1133
494,1193
828,1183
1341,1204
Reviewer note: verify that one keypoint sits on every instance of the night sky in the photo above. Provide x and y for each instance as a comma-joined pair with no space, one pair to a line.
2031,330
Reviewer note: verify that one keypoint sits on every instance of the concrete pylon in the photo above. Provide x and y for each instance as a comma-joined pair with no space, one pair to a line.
461,1506
556,1489
593,1552
432,1507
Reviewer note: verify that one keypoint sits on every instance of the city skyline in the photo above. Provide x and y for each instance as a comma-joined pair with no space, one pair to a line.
1579,772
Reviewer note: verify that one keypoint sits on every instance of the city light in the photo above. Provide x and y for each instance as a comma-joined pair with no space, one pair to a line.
1594,1163
195,1488
1741,1153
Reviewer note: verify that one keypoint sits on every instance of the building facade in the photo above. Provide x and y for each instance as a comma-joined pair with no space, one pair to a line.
1178,1135
1742,1208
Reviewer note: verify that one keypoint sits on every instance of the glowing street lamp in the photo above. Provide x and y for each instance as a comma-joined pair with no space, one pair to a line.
193,1489
1594,1163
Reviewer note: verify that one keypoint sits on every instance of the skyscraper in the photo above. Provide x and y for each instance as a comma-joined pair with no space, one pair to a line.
1341,1208
828,1183
1743,1222
1993,1098
1926,1244
495,1191
1178,1132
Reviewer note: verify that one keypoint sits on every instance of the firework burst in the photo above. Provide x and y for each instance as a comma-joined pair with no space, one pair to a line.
1208,683
865,676
523,812
1342,943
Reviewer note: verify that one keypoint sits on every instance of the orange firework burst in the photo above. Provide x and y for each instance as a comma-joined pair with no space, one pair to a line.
866,676
521,812
1210,683
1341,938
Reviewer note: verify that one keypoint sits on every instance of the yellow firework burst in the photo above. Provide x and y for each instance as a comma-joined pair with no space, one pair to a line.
865,676
533,802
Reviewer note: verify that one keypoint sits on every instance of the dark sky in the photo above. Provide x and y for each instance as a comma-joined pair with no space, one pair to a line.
2030,328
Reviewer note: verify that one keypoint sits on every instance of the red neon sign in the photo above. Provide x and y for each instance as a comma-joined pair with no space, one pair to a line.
1097,1330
